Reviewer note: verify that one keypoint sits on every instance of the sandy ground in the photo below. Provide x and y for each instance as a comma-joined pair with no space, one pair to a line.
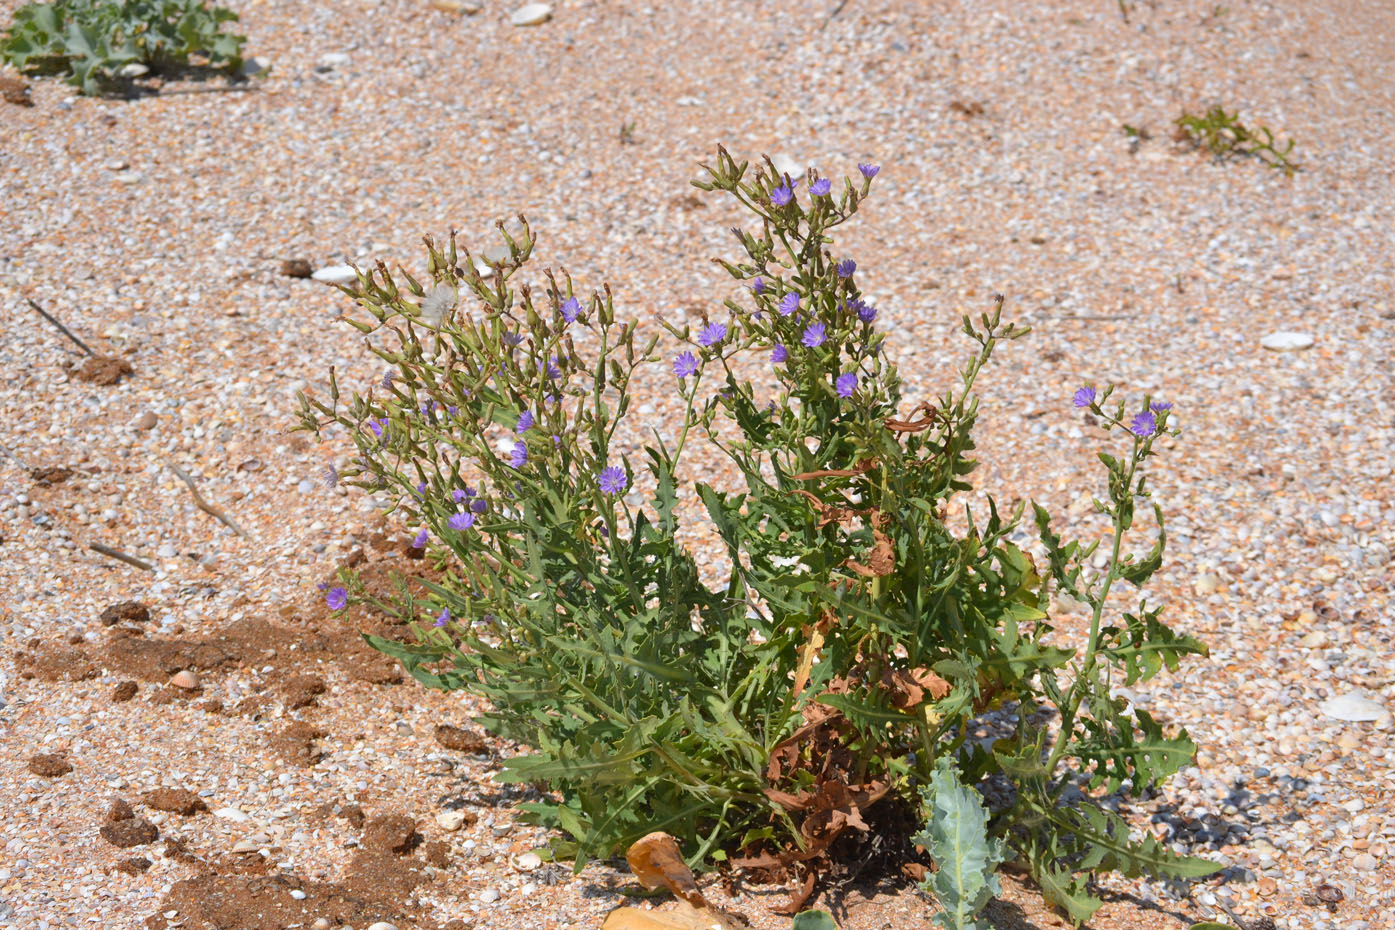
155,229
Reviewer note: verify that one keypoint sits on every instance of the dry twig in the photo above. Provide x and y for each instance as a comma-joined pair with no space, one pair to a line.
120,556
61,328
205,506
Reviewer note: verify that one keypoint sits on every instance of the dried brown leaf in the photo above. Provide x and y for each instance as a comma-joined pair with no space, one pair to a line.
909,686
657,863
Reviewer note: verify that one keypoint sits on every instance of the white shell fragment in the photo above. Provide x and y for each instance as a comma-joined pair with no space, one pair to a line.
532,14
1286,341
336,274
1354,708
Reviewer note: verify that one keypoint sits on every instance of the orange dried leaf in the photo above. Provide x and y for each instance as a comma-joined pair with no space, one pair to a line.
657,863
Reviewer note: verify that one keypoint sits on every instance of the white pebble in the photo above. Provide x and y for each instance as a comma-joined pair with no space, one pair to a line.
532,14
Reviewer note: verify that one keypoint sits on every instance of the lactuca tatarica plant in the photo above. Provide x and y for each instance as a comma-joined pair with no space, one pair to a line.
861,636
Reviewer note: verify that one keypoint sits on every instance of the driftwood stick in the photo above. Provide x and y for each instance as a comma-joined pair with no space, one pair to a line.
61,328
120,556
205,506
14,458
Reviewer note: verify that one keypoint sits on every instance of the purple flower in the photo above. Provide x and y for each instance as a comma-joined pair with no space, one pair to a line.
377,425
712,334
388,377
513,339
1144,424
337,598
443,619
525,422
478,505
420,540
758,286
459,494
1085,397
553,372
571,309
789,303
421,491
779,354
685,365
813,335
782,195
865,311
461,521
330,476
519,456
820,187
869,171
846,268
846,384
1158,406
452,410
612,480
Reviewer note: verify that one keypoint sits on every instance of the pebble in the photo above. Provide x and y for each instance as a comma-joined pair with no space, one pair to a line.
1286,341
255,65
321,923
186,679
252,843
147,421
1354,708
298,894
489,895
231,813
331,60
458,7
382,925
1365,862
450,821
527,862
532,14
336,274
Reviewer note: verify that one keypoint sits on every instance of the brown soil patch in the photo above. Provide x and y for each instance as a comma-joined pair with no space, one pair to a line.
459,739
296,268
16,91
49,765
133,866
56,663
103,370
123,834
124,691
51,474
296,743
394,833
175,800
247,894
125,612
119,810
301,690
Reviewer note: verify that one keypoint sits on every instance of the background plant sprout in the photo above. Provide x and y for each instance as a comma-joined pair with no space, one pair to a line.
859,640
